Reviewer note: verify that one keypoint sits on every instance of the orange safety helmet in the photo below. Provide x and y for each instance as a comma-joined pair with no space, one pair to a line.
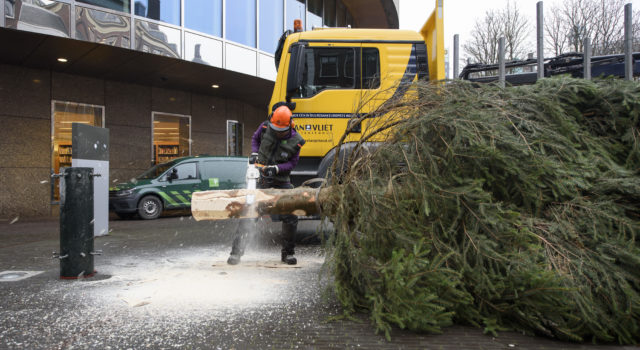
281,119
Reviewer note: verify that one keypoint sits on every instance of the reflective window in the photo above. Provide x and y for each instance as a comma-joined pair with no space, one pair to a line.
204,16
165,10
328,68
203,50
9,8
314,17
171,136
40,16
341,15
64,115
370,68
241,22
330,13
157,39
184,171
102,27
227,171
295,10
118,5
235,136
271,17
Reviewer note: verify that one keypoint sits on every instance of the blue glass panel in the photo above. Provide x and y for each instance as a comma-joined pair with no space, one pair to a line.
271,17
165,10
295,10
204,16
241,22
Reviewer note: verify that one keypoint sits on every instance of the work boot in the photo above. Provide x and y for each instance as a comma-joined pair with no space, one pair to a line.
289,259
234,259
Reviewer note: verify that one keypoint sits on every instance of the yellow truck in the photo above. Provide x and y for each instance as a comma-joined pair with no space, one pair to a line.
329,76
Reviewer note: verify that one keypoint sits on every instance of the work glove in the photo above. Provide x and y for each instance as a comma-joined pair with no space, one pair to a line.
269,170
253,158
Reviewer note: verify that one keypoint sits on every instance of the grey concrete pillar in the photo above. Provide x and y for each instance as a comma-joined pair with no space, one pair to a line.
540,39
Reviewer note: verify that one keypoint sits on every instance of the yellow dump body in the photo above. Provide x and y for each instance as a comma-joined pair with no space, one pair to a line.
349,71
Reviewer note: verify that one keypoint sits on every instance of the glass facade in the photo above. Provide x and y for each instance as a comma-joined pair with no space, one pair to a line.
204,16
157,39
271,23
116,5
241,22
103,27
314,17
329,13
203,50
166,10
40,16
203,33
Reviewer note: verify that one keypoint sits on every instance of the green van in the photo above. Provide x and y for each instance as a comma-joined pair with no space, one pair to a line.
170,185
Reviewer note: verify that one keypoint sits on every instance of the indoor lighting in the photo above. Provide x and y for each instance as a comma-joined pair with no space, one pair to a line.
62,60
215,86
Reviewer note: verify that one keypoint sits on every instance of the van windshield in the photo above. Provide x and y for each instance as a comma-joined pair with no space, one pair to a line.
156,171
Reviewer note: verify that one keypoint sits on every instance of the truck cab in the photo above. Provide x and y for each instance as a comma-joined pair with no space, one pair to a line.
331,77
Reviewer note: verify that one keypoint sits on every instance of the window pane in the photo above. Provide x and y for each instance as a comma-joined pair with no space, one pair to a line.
241,22
118,5
165,10
45,16
157,39
102,27
204,16
350,22
203,50
234,138
370,68
170,137
328,68
314,17
295,10
271,17
185,171
330,13
64,115
341,15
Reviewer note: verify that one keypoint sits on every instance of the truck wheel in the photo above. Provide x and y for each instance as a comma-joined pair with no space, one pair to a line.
149,207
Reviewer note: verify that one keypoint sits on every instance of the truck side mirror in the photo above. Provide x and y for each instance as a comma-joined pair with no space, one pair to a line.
296,69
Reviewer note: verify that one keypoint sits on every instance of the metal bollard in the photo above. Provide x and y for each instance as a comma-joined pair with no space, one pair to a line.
76,223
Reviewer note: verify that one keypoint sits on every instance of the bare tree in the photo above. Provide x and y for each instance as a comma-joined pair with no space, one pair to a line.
507,22
569,23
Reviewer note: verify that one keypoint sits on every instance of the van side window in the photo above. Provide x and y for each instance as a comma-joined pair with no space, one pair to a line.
328,68
225,170
370,68
186,171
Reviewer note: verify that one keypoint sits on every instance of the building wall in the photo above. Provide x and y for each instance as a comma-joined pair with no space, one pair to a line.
25,129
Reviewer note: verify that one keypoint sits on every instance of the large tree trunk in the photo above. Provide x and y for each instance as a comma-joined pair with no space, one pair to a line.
225,204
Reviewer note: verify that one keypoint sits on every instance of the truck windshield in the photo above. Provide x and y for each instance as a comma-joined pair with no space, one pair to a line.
155,171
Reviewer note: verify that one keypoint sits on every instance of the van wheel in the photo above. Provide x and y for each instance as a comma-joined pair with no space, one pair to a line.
149,207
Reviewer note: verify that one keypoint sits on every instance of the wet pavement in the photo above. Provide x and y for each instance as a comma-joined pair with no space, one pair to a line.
165,284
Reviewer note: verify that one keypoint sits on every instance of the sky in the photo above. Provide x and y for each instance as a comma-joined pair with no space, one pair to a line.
460,15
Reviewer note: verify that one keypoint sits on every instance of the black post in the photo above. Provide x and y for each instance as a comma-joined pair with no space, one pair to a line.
76,223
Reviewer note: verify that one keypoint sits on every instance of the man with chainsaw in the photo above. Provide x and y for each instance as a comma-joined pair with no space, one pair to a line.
275,148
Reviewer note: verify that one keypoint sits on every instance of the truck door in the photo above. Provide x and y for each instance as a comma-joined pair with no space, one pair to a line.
328,95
